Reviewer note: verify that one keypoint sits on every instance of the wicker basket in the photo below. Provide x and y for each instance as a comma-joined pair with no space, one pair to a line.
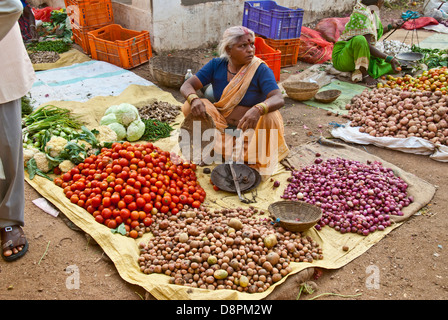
327,96
170,71
288,211
300,90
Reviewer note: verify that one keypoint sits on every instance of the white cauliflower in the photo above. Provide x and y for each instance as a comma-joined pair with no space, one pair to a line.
55,146
66,165
82,143
28,153
106,134
42,161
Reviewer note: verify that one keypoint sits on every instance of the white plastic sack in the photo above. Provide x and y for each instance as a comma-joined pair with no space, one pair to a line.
413,145
432,6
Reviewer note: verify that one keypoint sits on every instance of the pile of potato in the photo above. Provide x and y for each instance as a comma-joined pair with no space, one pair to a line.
384,112
235,249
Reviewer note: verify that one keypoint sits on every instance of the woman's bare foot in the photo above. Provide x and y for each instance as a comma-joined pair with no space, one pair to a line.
369,81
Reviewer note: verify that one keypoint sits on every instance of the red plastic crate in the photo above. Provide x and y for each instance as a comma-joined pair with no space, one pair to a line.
81,37
89,13
289,49
269,55
122,47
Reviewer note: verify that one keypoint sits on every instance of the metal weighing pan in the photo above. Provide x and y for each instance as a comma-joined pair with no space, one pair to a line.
248,178
409,58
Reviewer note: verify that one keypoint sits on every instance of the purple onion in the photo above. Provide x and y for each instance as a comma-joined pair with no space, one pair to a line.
354,197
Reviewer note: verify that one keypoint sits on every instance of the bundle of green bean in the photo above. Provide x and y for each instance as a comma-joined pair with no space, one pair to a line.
155,130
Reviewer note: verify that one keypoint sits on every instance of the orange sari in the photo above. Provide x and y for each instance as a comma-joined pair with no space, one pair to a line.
261,148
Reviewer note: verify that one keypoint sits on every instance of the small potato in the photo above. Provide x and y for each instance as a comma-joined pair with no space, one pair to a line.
220,274
235,224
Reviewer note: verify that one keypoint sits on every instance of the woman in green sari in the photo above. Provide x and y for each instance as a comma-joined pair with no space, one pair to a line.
355,51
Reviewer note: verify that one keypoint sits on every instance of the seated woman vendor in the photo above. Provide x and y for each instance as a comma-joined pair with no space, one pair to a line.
355,51
248,99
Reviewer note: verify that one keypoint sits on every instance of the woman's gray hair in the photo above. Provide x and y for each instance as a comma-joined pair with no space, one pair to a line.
230,37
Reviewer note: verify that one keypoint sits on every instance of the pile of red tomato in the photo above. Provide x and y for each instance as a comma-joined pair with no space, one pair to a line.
430,80
130,183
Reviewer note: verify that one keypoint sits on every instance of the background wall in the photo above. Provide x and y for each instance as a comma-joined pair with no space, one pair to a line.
187,24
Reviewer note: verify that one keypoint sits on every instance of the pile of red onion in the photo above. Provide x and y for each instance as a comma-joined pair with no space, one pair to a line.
354,197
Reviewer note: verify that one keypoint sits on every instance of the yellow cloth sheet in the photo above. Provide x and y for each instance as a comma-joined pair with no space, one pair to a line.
124,252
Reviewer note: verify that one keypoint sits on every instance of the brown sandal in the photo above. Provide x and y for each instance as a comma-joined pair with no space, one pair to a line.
13,237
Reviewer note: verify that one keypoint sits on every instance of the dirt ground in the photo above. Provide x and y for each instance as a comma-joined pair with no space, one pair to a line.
411,261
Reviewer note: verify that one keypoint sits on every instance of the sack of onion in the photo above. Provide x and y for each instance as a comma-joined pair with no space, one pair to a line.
389,112
354,197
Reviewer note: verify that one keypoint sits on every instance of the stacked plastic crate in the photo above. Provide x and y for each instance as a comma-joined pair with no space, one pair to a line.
279,26
86,16
93,28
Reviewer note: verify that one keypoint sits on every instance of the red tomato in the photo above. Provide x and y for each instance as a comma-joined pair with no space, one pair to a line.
183,199
135,215
166,200
125,214
106,213
147,221
115,198
96,201
112,224
140,202
132,206
148,207
99,218
164,209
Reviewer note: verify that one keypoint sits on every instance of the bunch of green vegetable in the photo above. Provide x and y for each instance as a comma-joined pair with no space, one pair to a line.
432,58
47,121
59,46
155,130
55,140
57,27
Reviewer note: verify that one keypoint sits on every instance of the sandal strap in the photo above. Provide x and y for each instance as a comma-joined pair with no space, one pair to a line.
12,237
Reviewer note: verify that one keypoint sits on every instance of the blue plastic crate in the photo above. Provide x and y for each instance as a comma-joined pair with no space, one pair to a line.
268,19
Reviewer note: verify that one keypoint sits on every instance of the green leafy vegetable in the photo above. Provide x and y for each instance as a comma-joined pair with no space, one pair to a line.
33,170
120,229
58,46
432,58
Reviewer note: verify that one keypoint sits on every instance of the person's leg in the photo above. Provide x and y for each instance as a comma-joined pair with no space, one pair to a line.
354,56
267,146
12,195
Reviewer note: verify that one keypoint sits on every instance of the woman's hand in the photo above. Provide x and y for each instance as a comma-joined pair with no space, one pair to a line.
250,119
198,108
395,65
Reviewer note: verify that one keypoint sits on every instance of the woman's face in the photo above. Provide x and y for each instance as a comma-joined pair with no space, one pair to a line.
243,51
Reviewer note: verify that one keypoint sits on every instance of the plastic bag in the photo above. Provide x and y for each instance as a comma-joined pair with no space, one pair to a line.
431,5
44,14
332,28
313,47
419,23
